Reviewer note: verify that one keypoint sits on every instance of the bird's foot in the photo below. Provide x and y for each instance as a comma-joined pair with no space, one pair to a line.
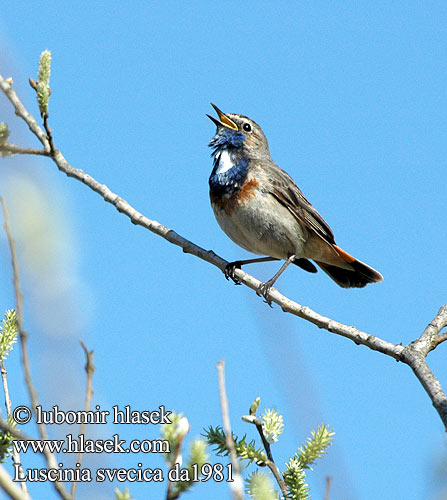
229,272
264,290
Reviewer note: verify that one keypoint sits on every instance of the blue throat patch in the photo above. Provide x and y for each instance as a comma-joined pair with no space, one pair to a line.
227,138
232,179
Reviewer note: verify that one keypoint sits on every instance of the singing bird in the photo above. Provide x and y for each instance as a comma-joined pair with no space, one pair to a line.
259,206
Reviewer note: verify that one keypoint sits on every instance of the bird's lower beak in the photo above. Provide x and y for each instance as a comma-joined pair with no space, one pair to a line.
224,120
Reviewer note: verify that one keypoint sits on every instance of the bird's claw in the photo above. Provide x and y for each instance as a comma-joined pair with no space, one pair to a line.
263,291
229,272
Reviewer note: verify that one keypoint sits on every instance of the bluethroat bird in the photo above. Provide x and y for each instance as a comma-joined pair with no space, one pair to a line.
259,206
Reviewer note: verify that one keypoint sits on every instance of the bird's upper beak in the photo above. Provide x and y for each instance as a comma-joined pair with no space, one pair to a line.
224,120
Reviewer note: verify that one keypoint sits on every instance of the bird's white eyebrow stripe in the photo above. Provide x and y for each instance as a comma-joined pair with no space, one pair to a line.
225,162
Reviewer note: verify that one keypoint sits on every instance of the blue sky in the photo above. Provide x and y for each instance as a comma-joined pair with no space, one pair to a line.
352,99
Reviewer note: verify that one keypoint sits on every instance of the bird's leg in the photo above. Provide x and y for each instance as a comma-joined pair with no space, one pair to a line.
232,266
264,288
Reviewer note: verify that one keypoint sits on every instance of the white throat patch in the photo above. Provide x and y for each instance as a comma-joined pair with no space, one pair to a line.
225,162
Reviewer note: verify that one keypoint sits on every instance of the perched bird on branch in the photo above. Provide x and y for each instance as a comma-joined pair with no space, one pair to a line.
259,206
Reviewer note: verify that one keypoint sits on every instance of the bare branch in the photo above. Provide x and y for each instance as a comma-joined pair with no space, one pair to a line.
15,268
327,492
414,355
430,383
50,457
15,454
237,487
421,346
429,338
13,149
270,462
89,370
171,493
10,488
5,388
49,133
21,112
441,338
168,234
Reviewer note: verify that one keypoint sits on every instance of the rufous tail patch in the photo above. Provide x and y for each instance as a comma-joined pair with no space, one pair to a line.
344,255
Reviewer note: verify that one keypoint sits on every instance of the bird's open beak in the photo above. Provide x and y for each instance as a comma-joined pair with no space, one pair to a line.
224,120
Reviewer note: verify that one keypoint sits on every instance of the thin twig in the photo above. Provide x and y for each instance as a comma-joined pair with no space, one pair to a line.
49,133
441,338
9,487
270,462
21,112
237,487
429,336
181,429
434,391
89,370
171,494
266,444
15,453
327,491
13,149
23,335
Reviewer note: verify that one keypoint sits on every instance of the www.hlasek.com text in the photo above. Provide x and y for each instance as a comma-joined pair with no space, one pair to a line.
81,444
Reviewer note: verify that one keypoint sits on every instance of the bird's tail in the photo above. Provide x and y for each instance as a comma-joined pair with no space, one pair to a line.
359,276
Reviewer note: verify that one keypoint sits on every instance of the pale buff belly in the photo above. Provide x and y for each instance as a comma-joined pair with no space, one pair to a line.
264,227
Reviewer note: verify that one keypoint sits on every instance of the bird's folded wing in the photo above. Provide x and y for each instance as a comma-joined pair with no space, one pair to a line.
289,195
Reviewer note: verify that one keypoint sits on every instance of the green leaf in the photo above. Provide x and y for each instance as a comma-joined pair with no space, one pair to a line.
43,84
6,441
272,425
255,405
174,433
122,495
245,451
315,446
198,455
4,133
259,487
8,333
295,479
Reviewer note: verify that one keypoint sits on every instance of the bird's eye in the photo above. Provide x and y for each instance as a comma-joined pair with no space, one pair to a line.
247,127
